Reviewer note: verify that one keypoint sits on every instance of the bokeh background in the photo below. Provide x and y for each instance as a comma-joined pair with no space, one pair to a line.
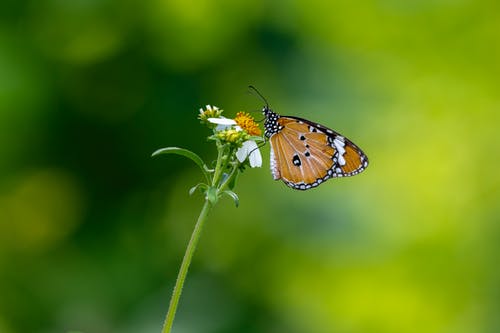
92,230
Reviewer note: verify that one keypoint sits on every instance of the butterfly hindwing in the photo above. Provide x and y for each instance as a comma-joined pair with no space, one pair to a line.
351,158
305,154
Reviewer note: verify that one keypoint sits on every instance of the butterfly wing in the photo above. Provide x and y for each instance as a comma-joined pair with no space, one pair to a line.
305,154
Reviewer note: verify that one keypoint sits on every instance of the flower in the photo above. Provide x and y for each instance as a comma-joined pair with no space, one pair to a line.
248,148
232,136
209,112
246,122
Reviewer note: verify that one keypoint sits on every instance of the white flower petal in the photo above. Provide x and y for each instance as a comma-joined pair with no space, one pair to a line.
242,152
255,158
212,108
222,121
251,150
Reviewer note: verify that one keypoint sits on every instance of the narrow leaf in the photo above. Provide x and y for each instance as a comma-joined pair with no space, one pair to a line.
200,186
234,196
186,153
232,183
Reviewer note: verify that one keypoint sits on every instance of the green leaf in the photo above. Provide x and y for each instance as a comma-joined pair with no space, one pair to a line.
234,196
232,183
200,186
186,153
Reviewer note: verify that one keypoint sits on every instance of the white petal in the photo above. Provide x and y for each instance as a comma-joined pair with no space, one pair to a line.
222,121
255,157
251,150
242,152
212,108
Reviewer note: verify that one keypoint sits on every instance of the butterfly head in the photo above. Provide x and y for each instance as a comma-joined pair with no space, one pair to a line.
271,125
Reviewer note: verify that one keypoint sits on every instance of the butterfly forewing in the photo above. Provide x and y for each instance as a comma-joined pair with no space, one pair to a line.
307,156
294,166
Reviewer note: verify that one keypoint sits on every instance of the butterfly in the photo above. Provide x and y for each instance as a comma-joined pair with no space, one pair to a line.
305,154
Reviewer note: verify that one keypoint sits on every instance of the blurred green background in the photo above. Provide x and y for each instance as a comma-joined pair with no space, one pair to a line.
92,230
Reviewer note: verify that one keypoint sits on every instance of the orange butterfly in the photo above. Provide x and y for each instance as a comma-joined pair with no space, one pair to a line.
305,154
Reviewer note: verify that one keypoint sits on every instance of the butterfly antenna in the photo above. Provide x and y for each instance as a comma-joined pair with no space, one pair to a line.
258,112
259,95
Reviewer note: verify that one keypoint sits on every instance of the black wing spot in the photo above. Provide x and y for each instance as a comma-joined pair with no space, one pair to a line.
302,137
307,154
296,160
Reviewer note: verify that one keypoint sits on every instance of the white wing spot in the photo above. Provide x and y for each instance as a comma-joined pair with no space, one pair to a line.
339,146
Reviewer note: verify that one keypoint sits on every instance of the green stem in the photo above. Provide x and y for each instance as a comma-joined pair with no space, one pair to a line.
218,167
169,319
229,179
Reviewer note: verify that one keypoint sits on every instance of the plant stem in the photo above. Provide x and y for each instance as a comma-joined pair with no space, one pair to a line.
169,319
218,167
229,179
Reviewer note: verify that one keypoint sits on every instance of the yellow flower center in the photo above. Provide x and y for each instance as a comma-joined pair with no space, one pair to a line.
233,136
247,123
